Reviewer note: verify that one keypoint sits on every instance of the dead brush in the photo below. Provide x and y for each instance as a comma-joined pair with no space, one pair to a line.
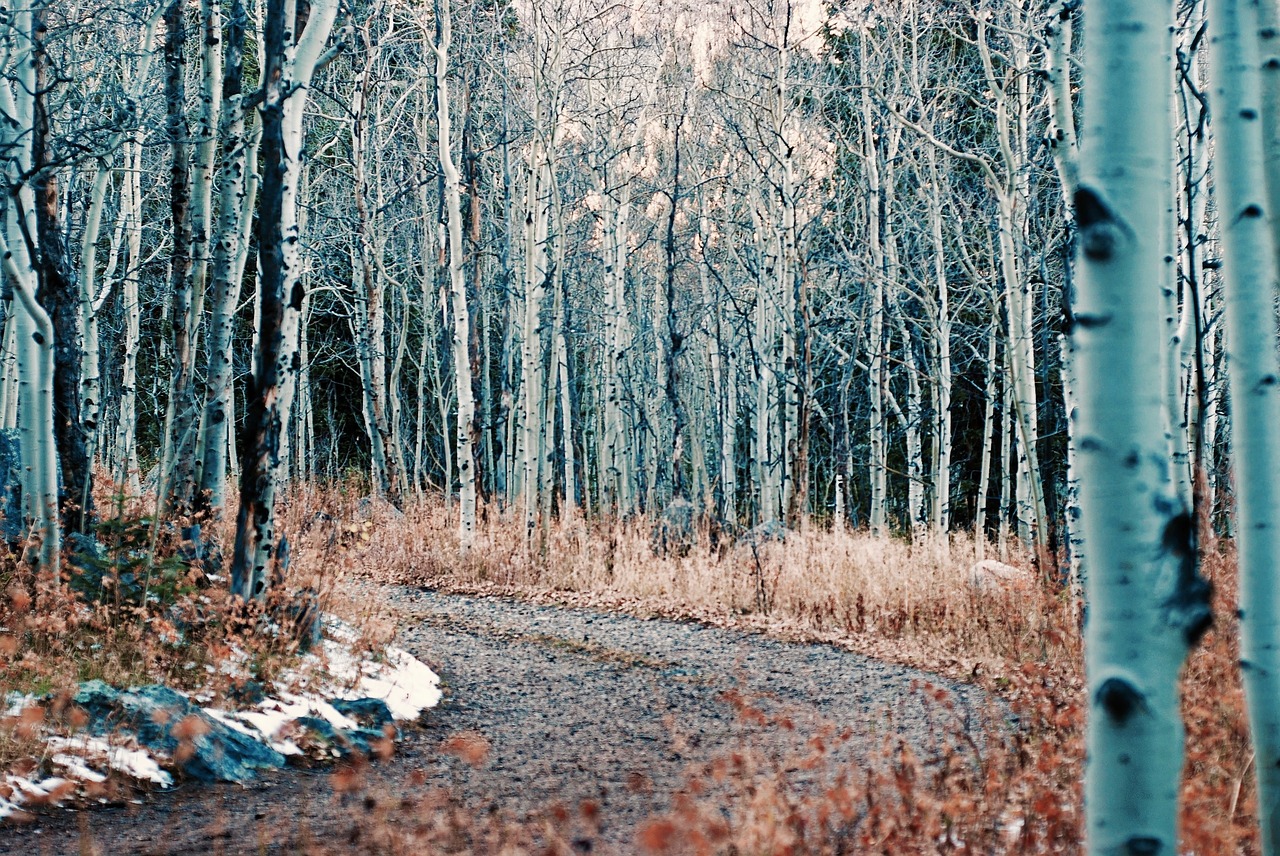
999,785
916,599
968,790
146,610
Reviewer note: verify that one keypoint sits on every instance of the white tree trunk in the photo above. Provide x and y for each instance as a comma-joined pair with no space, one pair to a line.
1250,277
9,363
457,287
940,520
238,184
284,99
1147,604
34,331
988,436
126,447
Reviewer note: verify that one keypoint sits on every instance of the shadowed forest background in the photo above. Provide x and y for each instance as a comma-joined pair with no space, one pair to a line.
779,260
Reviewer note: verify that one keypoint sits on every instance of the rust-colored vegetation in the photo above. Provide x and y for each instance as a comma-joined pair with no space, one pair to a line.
1008,784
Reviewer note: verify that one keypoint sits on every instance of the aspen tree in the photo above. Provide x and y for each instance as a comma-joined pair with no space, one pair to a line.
60,292
9,366
1253,370
1147,604
457,287
34,328
1064,144
370,284
1012,201
125,467
878,380
237,190
204,164
675,338
177,466
286,78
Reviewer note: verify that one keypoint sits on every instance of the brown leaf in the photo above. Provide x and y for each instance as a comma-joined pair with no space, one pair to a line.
471,746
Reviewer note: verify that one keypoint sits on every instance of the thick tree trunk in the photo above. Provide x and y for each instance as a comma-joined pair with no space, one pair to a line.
1250,276
1147,603
286,76
178,470
235,206
34,328
60,293
91,302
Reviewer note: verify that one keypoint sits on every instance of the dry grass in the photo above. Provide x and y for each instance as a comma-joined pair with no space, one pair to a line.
999,791
820,583
914,604
144,612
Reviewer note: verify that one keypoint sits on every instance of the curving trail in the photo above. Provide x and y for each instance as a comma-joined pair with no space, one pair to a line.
574,705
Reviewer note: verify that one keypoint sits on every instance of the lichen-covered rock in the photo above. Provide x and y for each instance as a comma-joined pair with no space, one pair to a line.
674,533
342,742
369,712
154,713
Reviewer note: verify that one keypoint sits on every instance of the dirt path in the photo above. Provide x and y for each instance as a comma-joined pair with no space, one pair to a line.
574,705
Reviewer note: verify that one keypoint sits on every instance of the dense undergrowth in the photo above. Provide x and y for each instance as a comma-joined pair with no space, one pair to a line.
134,605
1008,785
999,790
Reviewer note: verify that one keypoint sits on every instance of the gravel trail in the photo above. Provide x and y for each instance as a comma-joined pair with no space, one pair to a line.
574,704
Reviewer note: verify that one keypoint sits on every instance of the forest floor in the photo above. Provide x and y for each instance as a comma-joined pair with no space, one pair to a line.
548,710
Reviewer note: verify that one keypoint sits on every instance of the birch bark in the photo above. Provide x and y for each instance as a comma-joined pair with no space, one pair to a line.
1253,369
287,73
238,183
457,287
1147,603
34,328
177,468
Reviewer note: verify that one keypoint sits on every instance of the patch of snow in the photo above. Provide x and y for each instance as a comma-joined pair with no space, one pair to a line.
265,722
135,763
406,684
23,790
76,768
16,703
26,787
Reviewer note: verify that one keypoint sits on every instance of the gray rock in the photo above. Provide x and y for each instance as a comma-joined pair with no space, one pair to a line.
345,742
85,547
674,533
369,712
765,533
249,692
370,506
299,617
221,754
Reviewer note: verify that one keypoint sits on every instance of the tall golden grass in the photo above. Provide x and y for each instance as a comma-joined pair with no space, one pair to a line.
999,791
914,603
